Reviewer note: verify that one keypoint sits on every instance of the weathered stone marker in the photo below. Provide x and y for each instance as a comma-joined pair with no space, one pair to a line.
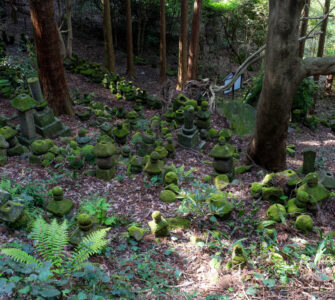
188,136
309,160
25,106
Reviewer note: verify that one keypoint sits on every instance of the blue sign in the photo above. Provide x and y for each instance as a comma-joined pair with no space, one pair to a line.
237,84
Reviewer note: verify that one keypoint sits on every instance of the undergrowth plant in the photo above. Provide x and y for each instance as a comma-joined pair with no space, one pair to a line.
51,242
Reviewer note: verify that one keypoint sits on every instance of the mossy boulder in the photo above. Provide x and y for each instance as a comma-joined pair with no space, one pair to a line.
158,225
163,153
8,132
40,147
276,212
221,181
178,223
273,194
171,177
304,223
60,208
312,195
222,151
292,209
137,233
256,189
242,169
167,196
219,205
154,166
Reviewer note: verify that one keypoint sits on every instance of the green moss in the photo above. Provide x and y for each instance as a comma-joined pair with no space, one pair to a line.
256,189
221,181
275,212
17,150
213,133
268,179
242,169
207,179
219,205
304,223
174,188
315,194
40,147
104,149
167,196
58,191
8,132
23,103
178,223
154,166
163,153
171,177
137,233
222,151
273,194
239,258
311,179
226,134
158,226
60,208
292,209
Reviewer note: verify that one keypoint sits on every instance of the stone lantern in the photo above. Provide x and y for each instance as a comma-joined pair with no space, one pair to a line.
59,206
223,158
105,151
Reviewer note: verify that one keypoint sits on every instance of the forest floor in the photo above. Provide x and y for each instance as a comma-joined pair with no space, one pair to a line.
174,267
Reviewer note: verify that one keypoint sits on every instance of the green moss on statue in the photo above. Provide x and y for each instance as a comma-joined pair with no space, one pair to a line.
178,223
256,189
8,132
167,196
23,103
219,205
154,166
137,233
239,259
292,209
304,223
59,206
171,177
40,147
276,212
221,181
158,225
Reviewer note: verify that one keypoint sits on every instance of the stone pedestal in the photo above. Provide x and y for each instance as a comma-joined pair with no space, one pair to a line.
48,125
188,136
59,206
106,163
309,161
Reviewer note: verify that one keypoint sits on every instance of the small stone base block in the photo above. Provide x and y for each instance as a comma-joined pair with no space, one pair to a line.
188,141
105,174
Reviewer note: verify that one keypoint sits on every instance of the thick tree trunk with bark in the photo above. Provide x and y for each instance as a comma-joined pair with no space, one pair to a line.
182,61
284,71
108,37
49,60
162,45
68,4
193,52
130,55
303,28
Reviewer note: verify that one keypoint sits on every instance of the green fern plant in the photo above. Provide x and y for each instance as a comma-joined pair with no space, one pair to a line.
51,243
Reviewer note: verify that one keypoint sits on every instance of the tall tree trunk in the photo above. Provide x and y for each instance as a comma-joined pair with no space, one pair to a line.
303,28
130,55
162,45
268,145
321,47
69,27
49,60
182,61
108,37
193,52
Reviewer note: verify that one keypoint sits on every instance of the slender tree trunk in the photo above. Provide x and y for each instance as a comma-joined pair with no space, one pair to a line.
321,47
108,37
193,52
49,60
268,144
61,44
130,52
329,83
69,27
162,45
303,28
182,61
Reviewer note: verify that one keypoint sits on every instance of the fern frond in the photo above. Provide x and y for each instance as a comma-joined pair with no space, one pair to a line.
52,240
90,245
19,255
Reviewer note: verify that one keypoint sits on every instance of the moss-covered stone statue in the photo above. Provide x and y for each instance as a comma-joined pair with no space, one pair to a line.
223,158
154,166
304,223
83,138
136,233
219,205
59,206
120,133
239,259
276,212
85,225
158,225
204,115
106,163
